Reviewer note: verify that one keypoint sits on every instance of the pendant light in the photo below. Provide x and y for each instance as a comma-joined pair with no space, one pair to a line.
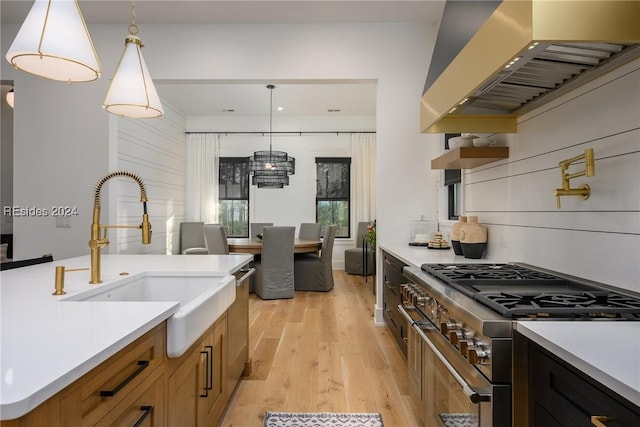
271,169
10,98
132,92
54,42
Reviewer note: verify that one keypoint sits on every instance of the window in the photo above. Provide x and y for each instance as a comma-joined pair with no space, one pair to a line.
333,186
234,196
453,184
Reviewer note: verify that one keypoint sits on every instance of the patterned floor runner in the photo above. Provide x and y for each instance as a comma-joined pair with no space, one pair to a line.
321,419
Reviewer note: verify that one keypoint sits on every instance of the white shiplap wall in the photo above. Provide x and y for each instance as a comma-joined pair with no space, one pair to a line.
155,150
598,238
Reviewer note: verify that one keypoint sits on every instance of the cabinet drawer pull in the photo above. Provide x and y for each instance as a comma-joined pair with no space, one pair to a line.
599,420
147,411
142,365
209,348
205,387
391,319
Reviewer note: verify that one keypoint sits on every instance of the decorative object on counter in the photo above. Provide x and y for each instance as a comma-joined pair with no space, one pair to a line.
455,235
132,92
438,242
473,238
589,170
271,169
292,419
97,241
464,140
54,42
259,236
421,232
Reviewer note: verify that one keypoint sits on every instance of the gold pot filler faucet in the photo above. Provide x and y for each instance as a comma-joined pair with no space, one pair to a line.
97,242
589,170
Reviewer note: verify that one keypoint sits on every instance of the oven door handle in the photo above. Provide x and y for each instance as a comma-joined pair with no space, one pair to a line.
425,324
472,394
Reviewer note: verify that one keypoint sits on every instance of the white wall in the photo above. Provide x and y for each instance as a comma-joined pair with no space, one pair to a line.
598,238
6,159
155,151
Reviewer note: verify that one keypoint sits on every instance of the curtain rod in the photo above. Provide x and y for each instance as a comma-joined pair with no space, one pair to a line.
337,132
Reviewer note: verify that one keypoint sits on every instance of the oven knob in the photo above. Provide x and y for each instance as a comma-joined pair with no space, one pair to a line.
445,327
422,301
464,347
454,337
477,355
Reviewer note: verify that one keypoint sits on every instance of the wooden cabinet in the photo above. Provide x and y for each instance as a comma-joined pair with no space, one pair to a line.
560,395
414,362
140,386
197,381
112,393
392,279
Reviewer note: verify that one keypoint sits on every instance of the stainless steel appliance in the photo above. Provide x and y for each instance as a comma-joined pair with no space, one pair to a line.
463,315
239,363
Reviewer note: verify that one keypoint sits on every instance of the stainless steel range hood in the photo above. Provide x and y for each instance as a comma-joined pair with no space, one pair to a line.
527,53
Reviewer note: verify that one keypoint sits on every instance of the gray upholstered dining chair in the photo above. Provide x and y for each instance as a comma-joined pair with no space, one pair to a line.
314,272
192,238
354,258
274,269
216,239
310,231
256,228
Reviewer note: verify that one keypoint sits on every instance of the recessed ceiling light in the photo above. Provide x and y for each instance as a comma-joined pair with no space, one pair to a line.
280,108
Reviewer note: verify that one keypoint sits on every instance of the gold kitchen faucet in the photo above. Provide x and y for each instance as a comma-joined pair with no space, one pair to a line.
98,242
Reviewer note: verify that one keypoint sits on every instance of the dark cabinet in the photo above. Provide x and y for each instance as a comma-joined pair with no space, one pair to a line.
392,279
561,395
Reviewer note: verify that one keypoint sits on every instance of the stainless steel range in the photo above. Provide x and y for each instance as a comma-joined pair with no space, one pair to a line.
463,316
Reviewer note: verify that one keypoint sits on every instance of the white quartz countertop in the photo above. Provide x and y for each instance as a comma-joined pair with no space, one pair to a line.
415,256
46,343
608,352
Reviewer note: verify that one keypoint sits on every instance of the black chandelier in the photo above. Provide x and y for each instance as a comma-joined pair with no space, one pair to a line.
271,169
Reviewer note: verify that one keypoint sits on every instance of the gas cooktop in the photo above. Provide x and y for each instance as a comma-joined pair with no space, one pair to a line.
517,291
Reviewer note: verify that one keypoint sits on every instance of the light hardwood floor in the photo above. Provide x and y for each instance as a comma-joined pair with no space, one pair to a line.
322,352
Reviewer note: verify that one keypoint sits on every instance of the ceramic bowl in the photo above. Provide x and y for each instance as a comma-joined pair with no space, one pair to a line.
466,140
483,142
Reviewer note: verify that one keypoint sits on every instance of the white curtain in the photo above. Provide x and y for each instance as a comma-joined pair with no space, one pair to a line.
363,155
203,154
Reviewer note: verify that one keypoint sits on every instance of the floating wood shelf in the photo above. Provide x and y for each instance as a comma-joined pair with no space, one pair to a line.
469,157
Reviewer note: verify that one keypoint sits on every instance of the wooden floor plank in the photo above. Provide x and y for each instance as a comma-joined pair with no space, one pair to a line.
322,352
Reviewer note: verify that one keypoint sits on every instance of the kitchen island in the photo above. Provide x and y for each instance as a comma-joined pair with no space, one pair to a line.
47,342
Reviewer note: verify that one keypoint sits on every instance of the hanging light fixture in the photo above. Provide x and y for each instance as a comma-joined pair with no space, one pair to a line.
132,92
271,169
54,42
10,98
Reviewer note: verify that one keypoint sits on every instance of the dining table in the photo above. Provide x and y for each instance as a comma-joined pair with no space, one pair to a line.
253,245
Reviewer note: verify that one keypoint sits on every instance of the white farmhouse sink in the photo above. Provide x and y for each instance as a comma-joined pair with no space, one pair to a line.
202,299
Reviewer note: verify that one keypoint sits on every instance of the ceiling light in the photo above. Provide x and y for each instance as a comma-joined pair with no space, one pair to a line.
132,92
10,98
271,169
54,42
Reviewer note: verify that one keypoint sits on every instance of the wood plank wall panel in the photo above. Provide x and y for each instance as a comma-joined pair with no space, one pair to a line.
155,150
598,238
